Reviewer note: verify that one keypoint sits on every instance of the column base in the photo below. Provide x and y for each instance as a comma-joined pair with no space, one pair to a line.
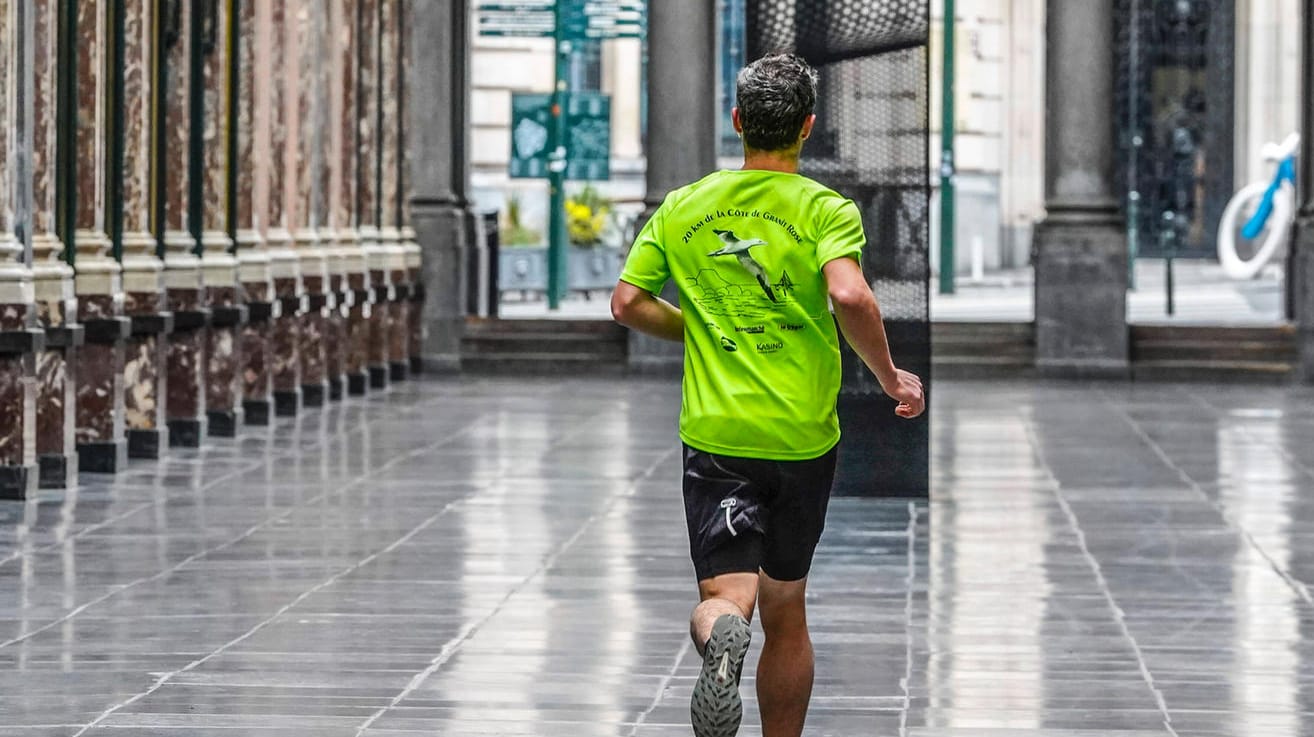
379,377
258,411
188,433
109,457
312,395
17,482
287,403
149,444
417,365
57,470
397,370
358,384
224,423
1081,296
335,386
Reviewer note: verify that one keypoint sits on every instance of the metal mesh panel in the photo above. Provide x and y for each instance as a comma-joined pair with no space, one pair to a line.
871,145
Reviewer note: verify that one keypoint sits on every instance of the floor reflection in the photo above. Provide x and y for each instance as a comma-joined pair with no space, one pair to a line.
497,557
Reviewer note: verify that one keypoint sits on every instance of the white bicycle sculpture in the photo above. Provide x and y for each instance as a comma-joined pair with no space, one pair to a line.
1270,211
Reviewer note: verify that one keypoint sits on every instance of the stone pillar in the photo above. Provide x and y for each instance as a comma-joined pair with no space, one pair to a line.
411,253
368,208
353,276
1301,269
390,193
182,268
330,27
274,93
98,283
146,366
52,278
19,339
303,71
1080,247
436,105
682,131
252,120
223,387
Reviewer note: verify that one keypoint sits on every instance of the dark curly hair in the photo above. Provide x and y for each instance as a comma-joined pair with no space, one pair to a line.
775,95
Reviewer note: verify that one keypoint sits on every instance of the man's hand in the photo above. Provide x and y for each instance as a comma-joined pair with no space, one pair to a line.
906,389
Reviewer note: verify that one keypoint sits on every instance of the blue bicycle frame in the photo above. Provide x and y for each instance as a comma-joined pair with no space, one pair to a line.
1286,172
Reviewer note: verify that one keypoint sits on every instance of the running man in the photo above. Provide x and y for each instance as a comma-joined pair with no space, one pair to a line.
757,254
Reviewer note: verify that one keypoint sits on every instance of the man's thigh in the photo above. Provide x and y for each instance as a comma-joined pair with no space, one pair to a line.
797,516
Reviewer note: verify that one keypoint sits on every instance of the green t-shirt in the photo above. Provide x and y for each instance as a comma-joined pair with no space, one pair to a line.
761,358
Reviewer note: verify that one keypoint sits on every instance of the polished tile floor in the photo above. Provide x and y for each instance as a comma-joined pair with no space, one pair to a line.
508,558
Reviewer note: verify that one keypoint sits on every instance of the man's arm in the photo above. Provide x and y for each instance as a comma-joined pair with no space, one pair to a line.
639,310
860,320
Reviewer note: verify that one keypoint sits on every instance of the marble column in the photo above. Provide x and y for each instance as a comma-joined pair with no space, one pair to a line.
257,284
182,268
390,195
1302,253
353,285
98,283
436,96
145,304
20,340
223,360
330,29
304,65
1080,247
681,48
52,277
411,253
276,97
368,209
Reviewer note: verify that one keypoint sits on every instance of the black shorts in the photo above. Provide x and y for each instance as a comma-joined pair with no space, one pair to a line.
746,513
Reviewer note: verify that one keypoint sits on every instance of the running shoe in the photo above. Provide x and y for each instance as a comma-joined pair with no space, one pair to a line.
716,708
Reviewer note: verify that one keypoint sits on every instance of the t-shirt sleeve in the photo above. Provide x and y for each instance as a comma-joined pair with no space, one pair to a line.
646,266
841,234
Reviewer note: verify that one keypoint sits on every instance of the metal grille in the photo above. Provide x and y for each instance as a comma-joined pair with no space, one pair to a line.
871,145
1175,100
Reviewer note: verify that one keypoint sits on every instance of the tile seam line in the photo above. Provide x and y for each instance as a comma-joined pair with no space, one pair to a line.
1118,614
205,487
1219,412
1297,586
661,688
164,679
455,644
228,543
909,581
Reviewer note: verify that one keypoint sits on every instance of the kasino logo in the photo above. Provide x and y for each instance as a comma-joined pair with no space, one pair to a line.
728,345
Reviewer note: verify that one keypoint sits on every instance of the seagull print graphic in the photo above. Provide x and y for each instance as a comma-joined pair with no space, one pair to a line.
734,246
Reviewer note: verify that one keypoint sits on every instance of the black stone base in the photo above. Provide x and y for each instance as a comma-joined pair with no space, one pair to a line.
148,444
57,471
287,403
224,423
335,388
397,370
417,365
102,457
17,482
186,433
313,395
258,411
379,377
358,384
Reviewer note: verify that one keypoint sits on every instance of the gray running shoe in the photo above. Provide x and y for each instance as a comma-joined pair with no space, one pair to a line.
716,708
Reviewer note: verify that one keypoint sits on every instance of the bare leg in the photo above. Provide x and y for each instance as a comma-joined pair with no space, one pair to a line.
731,593
785,669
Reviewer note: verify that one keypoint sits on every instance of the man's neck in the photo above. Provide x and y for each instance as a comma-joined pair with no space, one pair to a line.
784,161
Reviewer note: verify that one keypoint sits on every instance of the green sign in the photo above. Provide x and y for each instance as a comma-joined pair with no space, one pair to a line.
588,143
583,20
